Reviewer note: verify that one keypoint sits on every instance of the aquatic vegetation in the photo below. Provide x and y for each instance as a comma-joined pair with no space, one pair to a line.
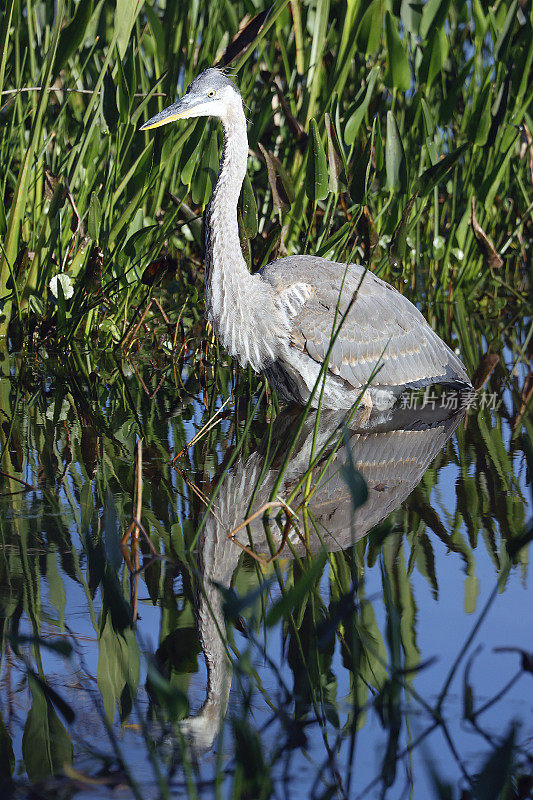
115,576
398,141
392,659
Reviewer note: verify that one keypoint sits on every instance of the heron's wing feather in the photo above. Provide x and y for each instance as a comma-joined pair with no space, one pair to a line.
381,322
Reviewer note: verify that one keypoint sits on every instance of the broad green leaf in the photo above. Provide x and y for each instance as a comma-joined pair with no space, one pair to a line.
86,508
395,163
499,109
138,171
118,666
379,156
398,74
433,16
368,34
168,696
315,71
56,587
52,697
411,15
46,745
130,69
297,593
490,185
158,33
316,179
425,561
355,119
122,221
125,15
111,535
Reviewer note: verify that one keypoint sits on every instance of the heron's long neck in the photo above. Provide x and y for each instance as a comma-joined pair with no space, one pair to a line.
223,250
238,304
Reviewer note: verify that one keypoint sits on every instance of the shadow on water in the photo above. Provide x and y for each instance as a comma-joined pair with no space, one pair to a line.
366,636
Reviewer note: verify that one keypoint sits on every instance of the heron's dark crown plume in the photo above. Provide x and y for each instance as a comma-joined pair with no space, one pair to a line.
208,80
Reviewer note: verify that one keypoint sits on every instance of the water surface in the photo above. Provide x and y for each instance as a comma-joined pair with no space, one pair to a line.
357,663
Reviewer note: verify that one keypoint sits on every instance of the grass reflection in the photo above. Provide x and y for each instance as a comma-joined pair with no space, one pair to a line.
318,658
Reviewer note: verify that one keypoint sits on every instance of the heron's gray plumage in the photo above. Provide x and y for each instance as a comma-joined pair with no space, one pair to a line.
281,320
382,326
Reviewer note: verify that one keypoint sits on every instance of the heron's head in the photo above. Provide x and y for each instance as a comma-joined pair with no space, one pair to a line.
211,94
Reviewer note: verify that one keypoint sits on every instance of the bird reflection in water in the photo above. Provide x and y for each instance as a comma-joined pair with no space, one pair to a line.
391,452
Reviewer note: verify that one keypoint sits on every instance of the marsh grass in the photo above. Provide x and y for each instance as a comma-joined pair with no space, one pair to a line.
353,126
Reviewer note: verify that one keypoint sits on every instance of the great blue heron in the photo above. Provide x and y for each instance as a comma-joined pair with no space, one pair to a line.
281,319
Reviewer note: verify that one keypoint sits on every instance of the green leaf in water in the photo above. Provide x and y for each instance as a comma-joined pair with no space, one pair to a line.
46,745
296,594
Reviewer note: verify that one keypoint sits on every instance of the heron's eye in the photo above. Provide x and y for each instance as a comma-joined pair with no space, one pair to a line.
211,93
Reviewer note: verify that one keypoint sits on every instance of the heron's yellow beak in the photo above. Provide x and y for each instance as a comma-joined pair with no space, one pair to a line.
176,111
187,106
157,123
